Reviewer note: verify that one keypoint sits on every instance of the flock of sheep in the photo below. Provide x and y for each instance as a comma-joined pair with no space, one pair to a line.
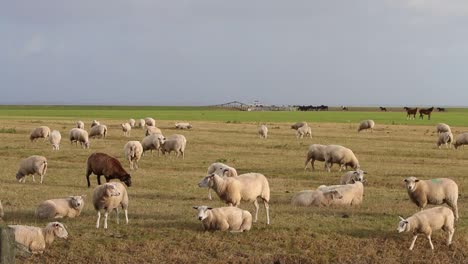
228,185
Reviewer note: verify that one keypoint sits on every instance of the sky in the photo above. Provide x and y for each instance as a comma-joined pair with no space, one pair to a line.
206,52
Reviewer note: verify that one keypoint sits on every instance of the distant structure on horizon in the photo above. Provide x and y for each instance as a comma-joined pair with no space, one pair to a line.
256,106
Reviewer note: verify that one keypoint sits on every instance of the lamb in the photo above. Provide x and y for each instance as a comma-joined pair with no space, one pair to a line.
246,187
152,130
98,131
79,124
141,123
460,140
79,135
183,126
315,152
263,131
304,131
32,165
441,128
366,124
340,155
95,123
434,191
175,143
445,138
222,170
150,121
352,193
39,132
315,198
427,221
126,127
133,151
60,208
110,167
54,139
298,125
350,176
37,239
224,218
109,197
151,142
132,122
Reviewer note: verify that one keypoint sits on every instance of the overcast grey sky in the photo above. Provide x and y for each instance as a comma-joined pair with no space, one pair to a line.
201,52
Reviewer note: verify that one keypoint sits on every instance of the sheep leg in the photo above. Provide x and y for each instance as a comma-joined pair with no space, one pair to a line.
34,180
267,209
256,210
105,219
117,215
209,194
99,179
430,241
450,235
87,177
412,243
98,219
42,178
126,216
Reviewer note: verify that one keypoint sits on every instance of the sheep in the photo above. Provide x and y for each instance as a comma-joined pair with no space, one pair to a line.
441,127
445,138
434,191
141,123
79,124
133,151
315,198
54,139
98,131
151,142
352,194
263,131
246,187
109,197
222,170
183,126
152,130
132,122
37,239
126,127
39,132
298,125
150,121
32,165
175,143
224,218
350,176
340,155
427,221
366,124
315,152
79,135
304,131
110,167
60,208
460,140
95,123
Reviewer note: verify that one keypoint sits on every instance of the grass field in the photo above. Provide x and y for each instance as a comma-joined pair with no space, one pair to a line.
163,227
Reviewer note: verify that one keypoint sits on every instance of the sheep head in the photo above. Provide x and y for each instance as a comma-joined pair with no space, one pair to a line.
410,183
202,211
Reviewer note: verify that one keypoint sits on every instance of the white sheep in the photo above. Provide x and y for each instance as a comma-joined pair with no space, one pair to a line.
108,197
132,122
79,135
79,124
298,125
428,221
176,143
224,218
315,152
59,208
133,151
246,187
442,127
152,130
39,132
460,140
37,239
340,155
434,191
222,170
95,123
445,138
366,124
315,198
30,166
183,125
304,131
151,142
353,176
98,131
150,121
141,123
126,127
55,139
352,193
263,131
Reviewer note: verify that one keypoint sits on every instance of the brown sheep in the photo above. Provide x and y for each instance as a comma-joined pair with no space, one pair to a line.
110,167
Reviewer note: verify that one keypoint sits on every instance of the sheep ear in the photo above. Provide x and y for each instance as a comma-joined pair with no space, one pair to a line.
365,172
405,180
195,207
417,180
83,195
401,218
356,173
209,208
56,225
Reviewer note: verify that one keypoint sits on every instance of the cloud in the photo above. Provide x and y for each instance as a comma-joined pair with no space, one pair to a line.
34,45
441,8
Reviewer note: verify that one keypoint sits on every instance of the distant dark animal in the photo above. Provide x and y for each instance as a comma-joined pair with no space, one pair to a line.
110,167
323,108
344,108
383,109
440,109
410,111
426,111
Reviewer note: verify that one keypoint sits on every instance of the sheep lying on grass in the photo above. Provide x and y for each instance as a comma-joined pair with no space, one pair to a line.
183,126
37,239
352,193
224,218
30,166
315,198
109,197
59,208
353,176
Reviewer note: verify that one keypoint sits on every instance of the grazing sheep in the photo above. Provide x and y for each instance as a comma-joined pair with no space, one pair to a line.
141,123
175,143
224,218
340,155
445,138
460,140
132,122
183,126
110,167
79,135
427,221
95,123
37,239
298,125
434,191
315,198
246,187
109,197
222,170
32,165
441,128
150,121
151,142
98,131
366,124
54,139
126,127
315,152
353,176
79,124
152,130
352,193
39,132
59,208
2,214
133,151
304,131
263,131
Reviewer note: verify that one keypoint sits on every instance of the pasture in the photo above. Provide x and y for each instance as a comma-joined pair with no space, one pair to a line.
163,227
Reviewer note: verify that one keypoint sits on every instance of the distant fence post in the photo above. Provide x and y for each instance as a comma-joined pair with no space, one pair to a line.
7,245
